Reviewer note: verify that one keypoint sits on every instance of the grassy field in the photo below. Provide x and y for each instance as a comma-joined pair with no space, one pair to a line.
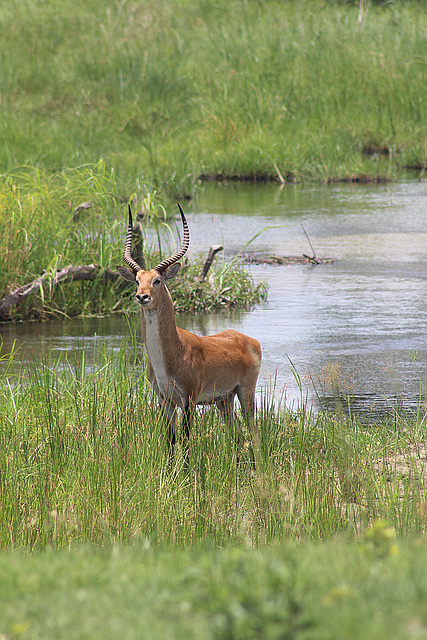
164,94
107,103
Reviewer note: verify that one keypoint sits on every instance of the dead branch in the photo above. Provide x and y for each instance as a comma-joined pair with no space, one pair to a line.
137,252
312,259
78,210
208,262
71,273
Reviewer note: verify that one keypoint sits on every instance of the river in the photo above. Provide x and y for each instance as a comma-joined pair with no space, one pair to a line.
358,323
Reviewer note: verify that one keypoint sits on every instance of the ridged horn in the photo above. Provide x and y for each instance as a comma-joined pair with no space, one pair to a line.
128,246
162,266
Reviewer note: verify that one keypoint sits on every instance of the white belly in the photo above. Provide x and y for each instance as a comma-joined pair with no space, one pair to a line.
168,387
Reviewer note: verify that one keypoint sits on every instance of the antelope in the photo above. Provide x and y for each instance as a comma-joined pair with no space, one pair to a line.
185,369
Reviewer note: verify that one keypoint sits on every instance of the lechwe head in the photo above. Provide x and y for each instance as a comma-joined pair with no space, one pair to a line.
151,283
183,368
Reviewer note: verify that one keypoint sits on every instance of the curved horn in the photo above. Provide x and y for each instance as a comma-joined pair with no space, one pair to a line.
162,266
128,246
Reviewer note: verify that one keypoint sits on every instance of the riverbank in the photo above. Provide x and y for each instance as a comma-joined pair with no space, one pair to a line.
99,528
274,91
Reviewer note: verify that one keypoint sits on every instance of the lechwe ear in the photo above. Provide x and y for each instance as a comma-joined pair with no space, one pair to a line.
127,274
172,271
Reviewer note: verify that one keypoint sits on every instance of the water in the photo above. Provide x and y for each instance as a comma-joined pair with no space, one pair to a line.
360,320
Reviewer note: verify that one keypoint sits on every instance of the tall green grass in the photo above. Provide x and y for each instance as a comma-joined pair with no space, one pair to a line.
83,458
163,94
36,221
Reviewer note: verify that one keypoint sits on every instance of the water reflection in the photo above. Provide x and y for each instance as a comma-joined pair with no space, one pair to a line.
360,321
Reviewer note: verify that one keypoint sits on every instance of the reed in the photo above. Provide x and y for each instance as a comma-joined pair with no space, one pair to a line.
83,458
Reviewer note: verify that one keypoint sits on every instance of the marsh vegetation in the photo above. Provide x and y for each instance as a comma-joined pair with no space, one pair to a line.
115,102
84,459
74,218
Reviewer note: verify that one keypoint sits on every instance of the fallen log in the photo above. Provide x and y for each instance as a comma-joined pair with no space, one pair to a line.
71,273
304,259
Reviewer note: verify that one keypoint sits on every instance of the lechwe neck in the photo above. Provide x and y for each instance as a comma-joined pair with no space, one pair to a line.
160,333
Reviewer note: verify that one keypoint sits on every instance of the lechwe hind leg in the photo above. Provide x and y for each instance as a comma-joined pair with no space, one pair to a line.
226,405
247,403
226,408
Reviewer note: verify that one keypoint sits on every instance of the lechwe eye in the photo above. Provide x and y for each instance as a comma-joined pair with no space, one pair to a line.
156,281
